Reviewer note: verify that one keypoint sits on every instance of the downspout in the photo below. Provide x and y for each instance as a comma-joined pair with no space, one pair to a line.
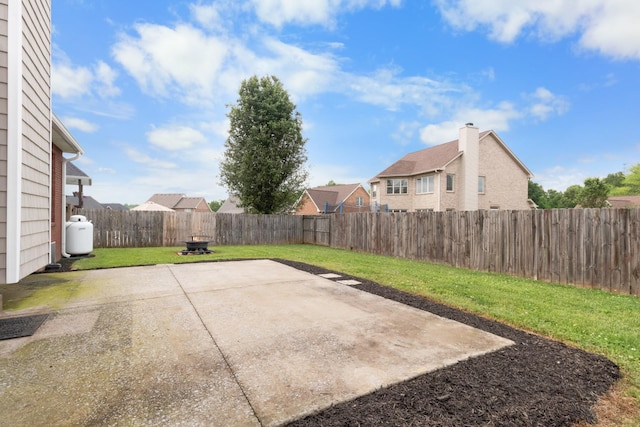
63,237
439,191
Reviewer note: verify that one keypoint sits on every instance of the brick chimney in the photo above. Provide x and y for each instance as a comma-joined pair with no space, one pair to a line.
469,145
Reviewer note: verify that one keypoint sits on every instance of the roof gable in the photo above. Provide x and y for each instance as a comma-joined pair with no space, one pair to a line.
331,195
88,202
231,206
189,203
507,150
169,200
422,161
436,158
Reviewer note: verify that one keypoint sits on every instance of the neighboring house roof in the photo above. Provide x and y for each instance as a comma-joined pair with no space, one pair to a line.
422,161
436,158
169,200
189,203
152,206
115,206
231,206
178,201
331,195
88,202
624,201
76,176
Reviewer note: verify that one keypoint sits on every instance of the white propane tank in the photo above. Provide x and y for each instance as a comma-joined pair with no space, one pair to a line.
79,236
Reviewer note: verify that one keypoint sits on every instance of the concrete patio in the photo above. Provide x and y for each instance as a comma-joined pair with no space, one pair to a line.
244,343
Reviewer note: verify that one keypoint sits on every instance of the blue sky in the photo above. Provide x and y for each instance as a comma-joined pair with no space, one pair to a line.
144,85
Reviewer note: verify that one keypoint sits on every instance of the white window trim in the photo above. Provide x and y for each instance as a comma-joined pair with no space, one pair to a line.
431,178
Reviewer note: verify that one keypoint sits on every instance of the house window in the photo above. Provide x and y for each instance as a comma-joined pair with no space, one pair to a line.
481,184
494,207
450,182
424,184
397,186
359,202
397,210
374,190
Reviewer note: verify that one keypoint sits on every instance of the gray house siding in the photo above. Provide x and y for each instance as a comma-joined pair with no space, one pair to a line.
25,137
4,30
36,138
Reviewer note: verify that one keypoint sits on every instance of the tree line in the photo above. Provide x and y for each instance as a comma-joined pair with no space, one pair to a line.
592,194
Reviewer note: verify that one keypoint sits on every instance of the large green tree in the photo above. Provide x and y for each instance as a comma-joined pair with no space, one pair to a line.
538,195
594,194
264,161
630,184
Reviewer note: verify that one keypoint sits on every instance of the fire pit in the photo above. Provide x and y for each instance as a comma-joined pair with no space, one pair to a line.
196,246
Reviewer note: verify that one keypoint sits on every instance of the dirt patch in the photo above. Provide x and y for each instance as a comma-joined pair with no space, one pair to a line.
536,382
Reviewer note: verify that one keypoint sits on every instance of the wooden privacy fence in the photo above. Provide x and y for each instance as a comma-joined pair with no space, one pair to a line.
119,229
598,248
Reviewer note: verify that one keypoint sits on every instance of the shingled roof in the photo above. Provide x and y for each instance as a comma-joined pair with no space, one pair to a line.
330,194
178,201
427,160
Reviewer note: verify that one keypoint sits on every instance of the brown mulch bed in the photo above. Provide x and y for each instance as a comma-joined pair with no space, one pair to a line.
536,382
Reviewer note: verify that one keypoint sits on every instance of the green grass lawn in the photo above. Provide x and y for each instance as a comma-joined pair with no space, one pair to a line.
593,320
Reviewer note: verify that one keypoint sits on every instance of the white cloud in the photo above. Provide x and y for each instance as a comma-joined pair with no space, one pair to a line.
546,103
497,119
168,61
68,81
109,171
316,12
607,26
175,137
559,178
72,82
387,89
105,77
542,105
321,174
405,132
209,15
80,124
139,157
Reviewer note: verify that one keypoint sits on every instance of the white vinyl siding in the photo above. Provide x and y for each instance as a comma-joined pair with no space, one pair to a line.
36,142
25,120
4,12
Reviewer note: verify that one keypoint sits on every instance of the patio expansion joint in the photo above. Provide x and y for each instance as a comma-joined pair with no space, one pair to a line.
224,356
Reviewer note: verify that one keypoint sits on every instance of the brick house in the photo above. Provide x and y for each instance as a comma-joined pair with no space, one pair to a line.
624,201
334,199
476,171
180,202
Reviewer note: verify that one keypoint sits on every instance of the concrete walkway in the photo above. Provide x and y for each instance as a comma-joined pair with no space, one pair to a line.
249,343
